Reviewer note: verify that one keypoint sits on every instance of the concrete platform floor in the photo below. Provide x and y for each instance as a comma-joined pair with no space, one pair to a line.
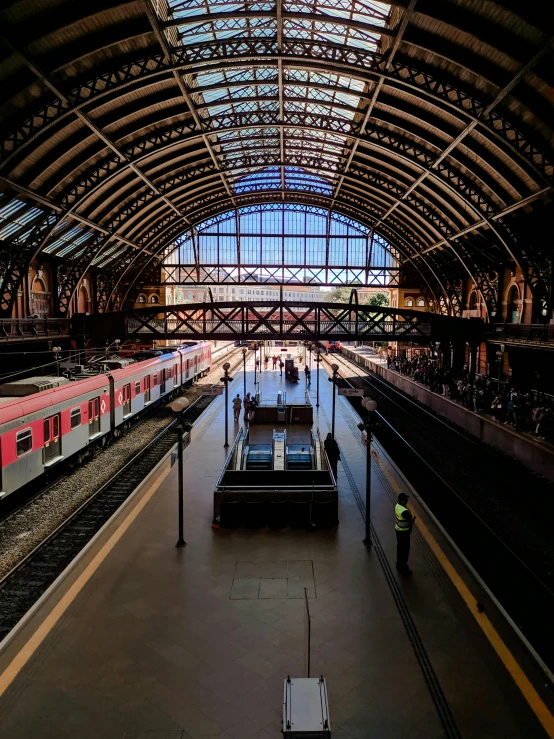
166,643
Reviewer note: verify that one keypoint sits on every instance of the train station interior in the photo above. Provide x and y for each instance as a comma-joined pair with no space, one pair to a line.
276,369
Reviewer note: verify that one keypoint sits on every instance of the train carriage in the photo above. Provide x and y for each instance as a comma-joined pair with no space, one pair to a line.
45,428
40,430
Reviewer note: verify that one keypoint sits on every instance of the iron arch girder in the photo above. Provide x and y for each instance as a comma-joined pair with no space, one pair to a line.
376,139
372,181
357,169
184,134
71,273
313,54
452,180
17,269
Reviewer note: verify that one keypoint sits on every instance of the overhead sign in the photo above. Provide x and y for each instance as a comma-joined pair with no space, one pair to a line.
212,391
351,391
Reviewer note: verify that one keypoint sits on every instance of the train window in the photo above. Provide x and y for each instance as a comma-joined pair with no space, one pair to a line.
155,382
23,442
137,387
75,417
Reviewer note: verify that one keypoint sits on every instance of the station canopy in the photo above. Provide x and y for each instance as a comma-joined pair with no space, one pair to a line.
422,127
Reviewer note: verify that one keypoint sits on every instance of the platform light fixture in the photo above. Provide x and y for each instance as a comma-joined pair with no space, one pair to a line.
317,360
226,379
333,379
368,425
178,406
244,368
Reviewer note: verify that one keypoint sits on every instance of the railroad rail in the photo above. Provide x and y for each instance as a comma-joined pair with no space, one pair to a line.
526,594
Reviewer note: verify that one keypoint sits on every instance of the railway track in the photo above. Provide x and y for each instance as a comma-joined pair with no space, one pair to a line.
31,576
504,557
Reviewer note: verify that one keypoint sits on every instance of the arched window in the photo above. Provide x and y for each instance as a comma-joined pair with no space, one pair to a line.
190,296
512,312
420,303
142,298
154,299
409,303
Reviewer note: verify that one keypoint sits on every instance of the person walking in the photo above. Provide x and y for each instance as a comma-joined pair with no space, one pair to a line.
237,405
246,404
281,365
403,527
274,363
333,452
308,374
258,365
266,362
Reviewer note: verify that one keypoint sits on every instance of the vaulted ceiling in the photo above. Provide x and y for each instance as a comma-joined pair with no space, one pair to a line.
123,125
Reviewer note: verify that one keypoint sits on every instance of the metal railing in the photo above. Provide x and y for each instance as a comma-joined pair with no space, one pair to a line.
18,329
531,332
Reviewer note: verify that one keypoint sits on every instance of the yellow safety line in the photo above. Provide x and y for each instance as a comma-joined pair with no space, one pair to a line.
537,705
36,639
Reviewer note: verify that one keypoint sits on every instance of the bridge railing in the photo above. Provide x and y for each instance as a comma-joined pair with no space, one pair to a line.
355,329
21,329
529,332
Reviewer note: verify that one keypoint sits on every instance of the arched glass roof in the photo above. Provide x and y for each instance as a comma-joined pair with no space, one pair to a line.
125,125
282,243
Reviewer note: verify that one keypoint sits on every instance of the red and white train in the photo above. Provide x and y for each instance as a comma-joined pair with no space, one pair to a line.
69,422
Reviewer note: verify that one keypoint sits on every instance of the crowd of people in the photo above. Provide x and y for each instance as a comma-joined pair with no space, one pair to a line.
525,410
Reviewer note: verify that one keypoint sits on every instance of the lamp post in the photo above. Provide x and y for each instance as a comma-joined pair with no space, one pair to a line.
333,379
317,361
255,365
499,359
57,350
178,406
368,426
244,368
226,379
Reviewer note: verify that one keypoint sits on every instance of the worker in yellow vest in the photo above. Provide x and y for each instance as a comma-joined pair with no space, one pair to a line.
404,523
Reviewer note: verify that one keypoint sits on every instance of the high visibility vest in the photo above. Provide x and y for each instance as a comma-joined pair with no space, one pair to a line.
402,524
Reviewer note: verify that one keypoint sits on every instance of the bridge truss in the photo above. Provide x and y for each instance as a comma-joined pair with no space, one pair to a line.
278,320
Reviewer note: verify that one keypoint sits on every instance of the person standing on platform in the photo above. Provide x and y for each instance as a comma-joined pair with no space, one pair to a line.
252,409
281,365
266,363
237,405
258,365
308,374
246,404
333,452
274,363
404,523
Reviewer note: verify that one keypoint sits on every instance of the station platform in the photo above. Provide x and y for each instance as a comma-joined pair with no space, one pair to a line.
537,454
145,641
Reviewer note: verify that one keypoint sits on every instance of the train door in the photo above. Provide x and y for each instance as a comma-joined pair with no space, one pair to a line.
52,439
93,417
126,390
147,389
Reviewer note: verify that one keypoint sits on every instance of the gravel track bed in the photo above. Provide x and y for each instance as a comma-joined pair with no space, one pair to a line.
28,527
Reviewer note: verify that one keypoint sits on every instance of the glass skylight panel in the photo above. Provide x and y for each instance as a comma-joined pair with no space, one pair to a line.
14,216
